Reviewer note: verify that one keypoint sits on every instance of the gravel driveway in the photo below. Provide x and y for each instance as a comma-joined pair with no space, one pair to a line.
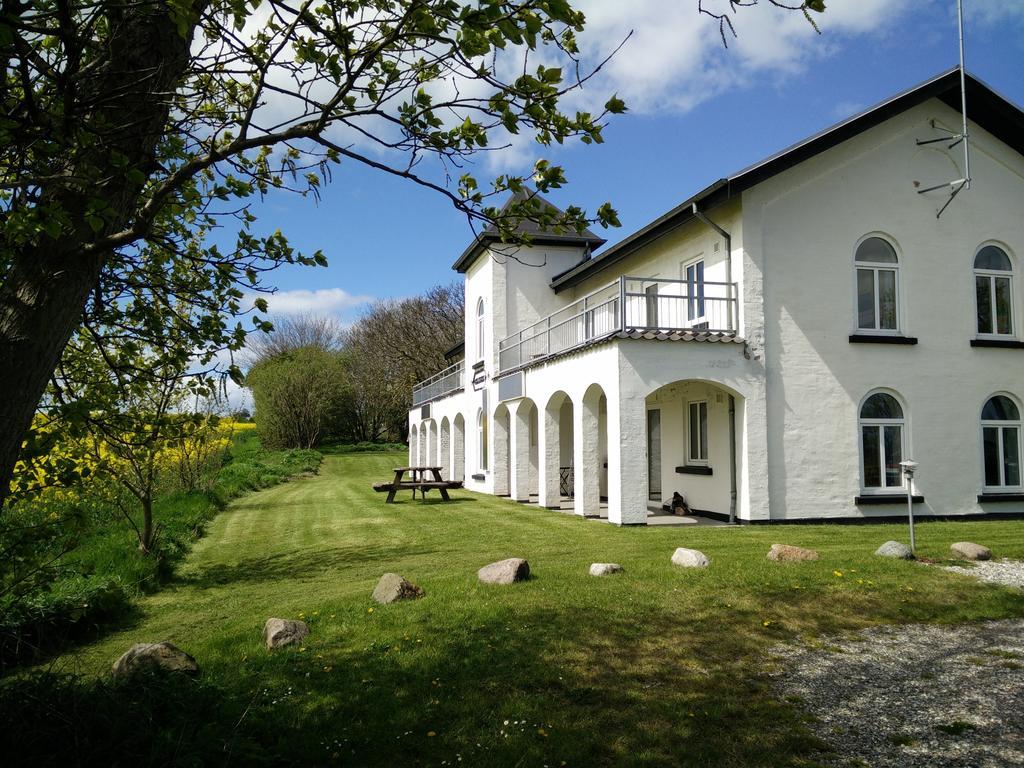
914,695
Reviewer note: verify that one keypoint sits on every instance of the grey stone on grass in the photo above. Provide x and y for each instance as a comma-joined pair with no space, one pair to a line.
278,633
968,550
507,571
786,553
391,588
690,558
895,549
154,657
604,569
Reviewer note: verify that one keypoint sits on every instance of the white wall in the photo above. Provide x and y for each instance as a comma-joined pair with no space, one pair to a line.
801,229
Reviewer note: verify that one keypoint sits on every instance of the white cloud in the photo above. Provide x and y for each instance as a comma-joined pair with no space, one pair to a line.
994,11
674,61
323,301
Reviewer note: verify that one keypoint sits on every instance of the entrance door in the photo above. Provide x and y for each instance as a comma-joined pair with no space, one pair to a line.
654,455
693,275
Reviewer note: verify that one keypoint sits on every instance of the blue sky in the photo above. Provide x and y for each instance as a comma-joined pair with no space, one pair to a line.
698,112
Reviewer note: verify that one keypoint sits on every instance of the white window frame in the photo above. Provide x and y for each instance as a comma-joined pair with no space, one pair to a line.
481,313
991,275
882,490
691,460
697,319
481,443
1001,425
652,306
875,267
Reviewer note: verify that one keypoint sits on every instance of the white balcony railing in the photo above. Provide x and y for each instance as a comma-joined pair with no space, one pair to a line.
451,379
631,304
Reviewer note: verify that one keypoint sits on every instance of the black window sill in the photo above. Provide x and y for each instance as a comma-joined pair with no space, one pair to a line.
478,366
694,470
880,338
989,497
997,343
885,498
481,478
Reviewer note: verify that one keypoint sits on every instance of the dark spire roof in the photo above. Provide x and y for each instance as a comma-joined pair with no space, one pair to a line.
531,229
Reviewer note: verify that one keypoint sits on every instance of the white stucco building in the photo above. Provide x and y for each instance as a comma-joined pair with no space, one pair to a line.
773,347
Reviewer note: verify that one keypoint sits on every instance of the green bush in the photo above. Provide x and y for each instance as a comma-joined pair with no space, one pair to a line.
366,447
96,581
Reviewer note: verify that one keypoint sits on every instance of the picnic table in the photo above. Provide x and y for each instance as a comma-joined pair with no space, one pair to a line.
422,479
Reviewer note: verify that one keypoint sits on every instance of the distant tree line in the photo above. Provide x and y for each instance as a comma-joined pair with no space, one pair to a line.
314,380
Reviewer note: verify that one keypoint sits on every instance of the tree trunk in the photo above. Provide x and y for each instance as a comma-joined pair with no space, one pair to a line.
47,282
146,537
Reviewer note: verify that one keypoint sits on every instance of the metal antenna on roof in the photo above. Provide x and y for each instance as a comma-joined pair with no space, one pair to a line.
955,187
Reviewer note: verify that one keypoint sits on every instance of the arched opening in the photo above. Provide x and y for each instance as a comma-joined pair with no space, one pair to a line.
555,453
1001,444
431,444
459,448
445,452
692,446
523,451
993,290
421,451
883,442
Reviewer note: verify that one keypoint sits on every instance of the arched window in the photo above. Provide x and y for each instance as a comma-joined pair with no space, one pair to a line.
993,289
1000,439
480,328
481,429
877,286
882,442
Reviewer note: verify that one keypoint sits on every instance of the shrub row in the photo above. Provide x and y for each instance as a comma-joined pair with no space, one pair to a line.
96,582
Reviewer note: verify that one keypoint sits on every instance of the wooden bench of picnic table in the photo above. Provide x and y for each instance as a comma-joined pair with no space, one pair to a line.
419,482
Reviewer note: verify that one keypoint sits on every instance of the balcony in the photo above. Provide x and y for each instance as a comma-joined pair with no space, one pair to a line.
630,306
439,385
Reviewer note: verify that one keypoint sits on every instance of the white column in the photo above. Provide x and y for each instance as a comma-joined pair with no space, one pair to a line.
547,458
459,451
520,452
586,482
445,453
627,460
499,453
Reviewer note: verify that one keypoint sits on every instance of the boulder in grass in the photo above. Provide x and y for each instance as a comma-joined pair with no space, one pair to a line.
154,657
968,550
391,588
605,569
505,571
278,633
786,553
896,550
690,558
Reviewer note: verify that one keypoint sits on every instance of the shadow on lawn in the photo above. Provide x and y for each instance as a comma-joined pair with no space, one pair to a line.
534,687
295,565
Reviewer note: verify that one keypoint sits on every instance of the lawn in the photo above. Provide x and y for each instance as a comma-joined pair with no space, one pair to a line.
656,666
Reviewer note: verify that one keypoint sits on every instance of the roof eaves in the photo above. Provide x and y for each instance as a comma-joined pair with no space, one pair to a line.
485,239
665,223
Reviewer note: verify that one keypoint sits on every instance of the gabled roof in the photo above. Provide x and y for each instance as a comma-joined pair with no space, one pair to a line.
997,115
531,229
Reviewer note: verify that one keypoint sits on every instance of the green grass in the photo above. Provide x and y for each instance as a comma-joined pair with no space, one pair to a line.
657,666
95,583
